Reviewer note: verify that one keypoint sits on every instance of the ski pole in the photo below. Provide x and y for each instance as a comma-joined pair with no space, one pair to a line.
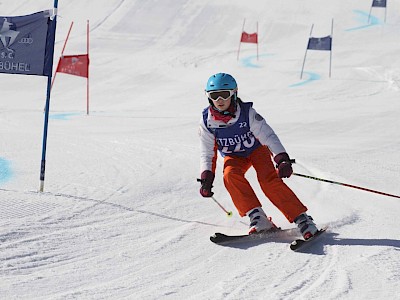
228,213
345,184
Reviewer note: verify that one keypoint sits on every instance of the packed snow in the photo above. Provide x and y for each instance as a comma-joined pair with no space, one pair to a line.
121,216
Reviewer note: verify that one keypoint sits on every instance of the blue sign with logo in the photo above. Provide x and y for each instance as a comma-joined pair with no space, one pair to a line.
26,44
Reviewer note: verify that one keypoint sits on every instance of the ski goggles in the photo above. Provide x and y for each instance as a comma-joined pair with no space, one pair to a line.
221,94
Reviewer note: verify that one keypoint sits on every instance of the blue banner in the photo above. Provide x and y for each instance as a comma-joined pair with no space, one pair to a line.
379,3
27,44
324,43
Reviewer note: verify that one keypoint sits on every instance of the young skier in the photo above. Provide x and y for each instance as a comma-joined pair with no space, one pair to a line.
244,139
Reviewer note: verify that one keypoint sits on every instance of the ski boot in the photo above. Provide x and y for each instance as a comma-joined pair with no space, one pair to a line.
306,225
259,222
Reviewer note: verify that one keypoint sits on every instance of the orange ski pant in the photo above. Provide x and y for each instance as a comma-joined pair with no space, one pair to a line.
274,188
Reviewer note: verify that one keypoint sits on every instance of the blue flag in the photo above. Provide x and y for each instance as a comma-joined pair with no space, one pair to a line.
324,43
379,3
27,44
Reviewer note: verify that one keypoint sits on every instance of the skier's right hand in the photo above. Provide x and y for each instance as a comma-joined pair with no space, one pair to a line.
207,179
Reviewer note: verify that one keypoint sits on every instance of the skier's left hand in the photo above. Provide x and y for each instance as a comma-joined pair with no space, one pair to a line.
283,165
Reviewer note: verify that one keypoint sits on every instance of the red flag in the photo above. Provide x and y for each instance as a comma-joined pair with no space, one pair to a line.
249,38
74,64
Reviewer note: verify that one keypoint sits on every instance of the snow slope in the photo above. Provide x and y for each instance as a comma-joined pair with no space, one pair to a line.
121,217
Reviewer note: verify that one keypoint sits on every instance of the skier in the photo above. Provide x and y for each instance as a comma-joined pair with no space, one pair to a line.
244,139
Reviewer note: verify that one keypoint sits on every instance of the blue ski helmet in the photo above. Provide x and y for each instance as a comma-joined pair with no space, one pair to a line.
221,81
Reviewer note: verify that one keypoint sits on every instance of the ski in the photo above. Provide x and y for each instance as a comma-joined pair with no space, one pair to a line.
298,244
223,239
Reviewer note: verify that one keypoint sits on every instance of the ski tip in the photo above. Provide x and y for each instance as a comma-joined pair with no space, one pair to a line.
323,228
217,236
